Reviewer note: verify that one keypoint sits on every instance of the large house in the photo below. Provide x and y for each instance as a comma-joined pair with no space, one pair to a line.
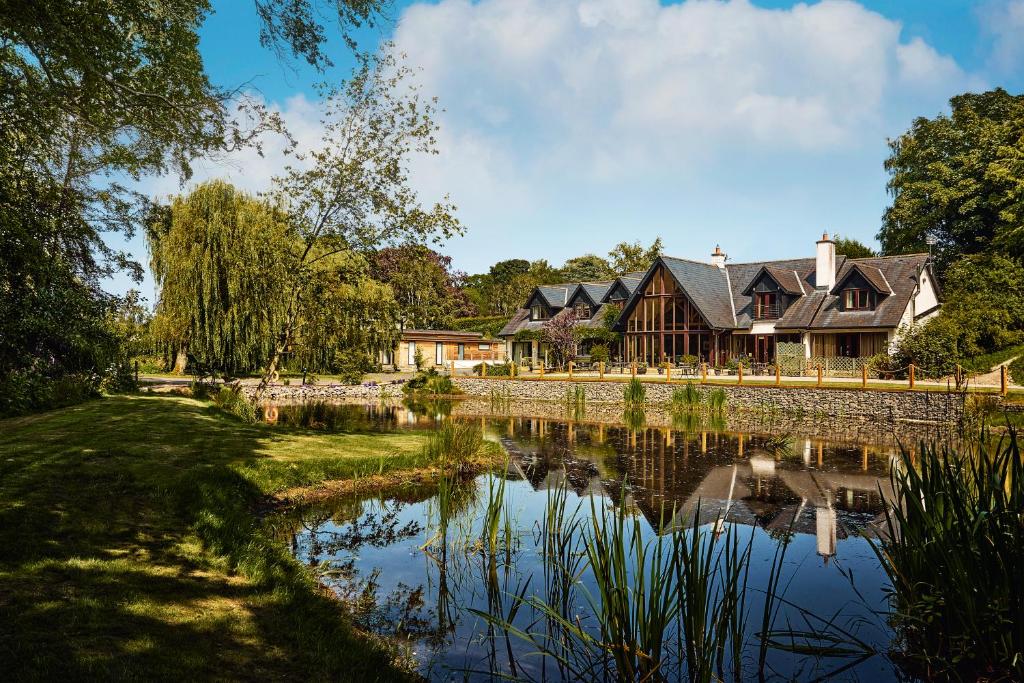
441,349
824,307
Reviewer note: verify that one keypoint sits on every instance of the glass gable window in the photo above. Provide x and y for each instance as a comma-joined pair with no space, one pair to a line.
582,311
766,305
538,312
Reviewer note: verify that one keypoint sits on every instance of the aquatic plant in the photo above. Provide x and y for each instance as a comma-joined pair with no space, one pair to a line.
576,402
716,401
954,528
634,394
501,399
686,397
493,513
453,443
634,418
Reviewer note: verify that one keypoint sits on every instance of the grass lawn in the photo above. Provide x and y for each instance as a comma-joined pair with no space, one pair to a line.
129,547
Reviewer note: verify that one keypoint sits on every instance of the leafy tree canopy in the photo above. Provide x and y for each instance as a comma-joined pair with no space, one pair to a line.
632,257
585,268
853,248
960,179
425,286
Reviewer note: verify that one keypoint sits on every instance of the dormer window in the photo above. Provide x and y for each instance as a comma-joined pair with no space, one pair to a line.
582,311
857,299
766,305
538,312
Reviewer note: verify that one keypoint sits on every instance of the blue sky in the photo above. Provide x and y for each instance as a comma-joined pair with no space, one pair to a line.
571,125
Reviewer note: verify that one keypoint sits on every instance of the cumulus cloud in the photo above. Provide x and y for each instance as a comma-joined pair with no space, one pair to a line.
1004,21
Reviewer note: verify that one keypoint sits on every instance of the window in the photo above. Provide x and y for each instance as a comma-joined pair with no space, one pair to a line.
538,312
462,352
484,347
766,306
582,311
856,299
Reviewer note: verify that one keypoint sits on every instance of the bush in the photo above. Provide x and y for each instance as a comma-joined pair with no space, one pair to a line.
27,391
934,348
350,366
120,379
430,382
497,370
599,353
151,364
1017,370
232,400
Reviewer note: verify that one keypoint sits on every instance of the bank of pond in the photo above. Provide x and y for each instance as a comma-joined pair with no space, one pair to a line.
677,545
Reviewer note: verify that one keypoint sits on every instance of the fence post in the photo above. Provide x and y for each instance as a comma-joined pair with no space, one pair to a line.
570,369
483,369
959,376
453,368
541,369
1003,383
632,369
703,373
819,374
512,370
778,374
864,377
600,368
668,375
911,375
739,373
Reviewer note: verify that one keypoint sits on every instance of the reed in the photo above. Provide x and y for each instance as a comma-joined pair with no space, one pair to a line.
634,394
576,402
500,400
453,443
686,397
716,401
954,552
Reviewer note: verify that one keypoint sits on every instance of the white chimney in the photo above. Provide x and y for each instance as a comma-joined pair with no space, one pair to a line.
825,268
718,257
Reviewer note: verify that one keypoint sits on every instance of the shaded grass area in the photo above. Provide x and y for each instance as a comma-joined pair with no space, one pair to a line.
129,547
987,361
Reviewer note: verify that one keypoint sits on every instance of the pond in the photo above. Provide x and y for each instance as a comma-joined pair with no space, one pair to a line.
423,567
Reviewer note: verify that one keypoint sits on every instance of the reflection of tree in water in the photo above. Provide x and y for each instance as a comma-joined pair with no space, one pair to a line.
375,529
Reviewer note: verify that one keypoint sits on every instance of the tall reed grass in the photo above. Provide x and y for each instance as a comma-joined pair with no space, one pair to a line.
634,394
576,402
686,397
954,552
453,443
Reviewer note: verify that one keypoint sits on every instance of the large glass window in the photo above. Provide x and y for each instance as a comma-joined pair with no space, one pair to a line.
538,312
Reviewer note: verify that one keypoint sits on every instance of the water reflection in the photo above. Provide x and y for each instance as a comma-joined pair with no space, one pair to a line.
415,568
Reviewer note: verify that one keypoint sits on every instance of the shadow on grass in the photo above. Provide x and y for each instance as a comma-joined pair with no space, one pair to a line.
129,549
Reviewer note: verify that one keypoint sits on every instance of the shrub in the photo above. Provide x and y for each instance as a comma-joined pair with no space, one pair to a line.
120,379
232,400
599,353
933,348
27,391
635,393
1017,370
151,364
350,366
430,382
497,370
453,443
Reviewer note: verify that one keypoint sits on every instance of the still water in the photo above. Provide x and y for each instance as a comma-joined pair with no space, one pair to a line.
415,568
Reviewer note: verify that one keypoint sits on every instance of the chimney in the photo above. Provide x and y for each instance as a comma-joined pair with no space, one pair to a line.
825,267
718,257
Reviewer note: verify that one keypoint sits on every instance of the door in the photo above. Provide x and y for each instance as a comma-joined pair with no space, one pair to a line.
439,353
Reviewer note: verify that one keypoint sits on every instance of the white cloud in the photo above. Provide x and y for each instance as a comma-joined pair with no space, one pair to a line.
1004,21
563,116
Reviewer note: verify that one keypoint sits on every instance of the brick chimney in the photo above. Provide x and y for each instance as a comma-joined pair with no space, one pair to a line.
825,266
718,257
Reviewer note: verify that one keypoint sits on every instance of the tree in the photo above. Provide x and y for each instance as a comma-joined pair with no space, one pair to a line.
985,300
219,257
852,248
631,257
586,268
960,180
424,285
561,335
353,194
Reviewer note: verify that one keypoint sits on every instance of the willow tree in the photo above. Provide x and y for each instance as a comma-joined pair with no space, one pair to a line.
220,258
353,195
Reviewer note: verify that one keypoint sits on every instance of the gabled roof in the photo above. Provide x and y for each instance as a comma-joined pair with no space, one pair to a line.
874,276
789,281
706,285
742,274
555,295
901,273
594,292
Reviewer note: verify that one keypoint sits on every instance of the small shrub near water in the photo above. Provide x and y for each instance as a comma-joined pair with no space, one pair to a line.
232,400
954,552
686,397
431,382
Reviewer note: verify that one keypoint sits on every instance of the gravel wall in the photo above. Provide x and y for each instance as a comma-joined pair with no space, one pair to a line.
928,406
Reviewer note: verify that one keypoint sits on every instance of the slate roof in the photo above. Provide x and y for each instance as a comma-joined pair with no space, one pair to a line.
722,295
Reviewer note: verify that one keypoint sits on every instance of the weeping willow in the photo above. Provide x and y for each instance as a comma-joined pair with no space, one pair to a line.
237,287
220,259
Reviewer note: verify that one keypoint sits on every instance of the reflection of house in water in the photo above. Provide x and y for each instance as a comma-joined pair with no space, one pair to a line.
802,487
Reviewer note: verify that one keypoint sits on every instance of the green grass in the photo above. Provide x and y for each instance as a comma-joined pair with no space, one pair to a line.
129,547
1017,370
987,361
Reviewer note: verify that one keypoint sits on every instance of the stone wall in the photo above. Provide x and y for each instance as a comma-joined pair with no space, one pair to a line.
326,392
928,406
